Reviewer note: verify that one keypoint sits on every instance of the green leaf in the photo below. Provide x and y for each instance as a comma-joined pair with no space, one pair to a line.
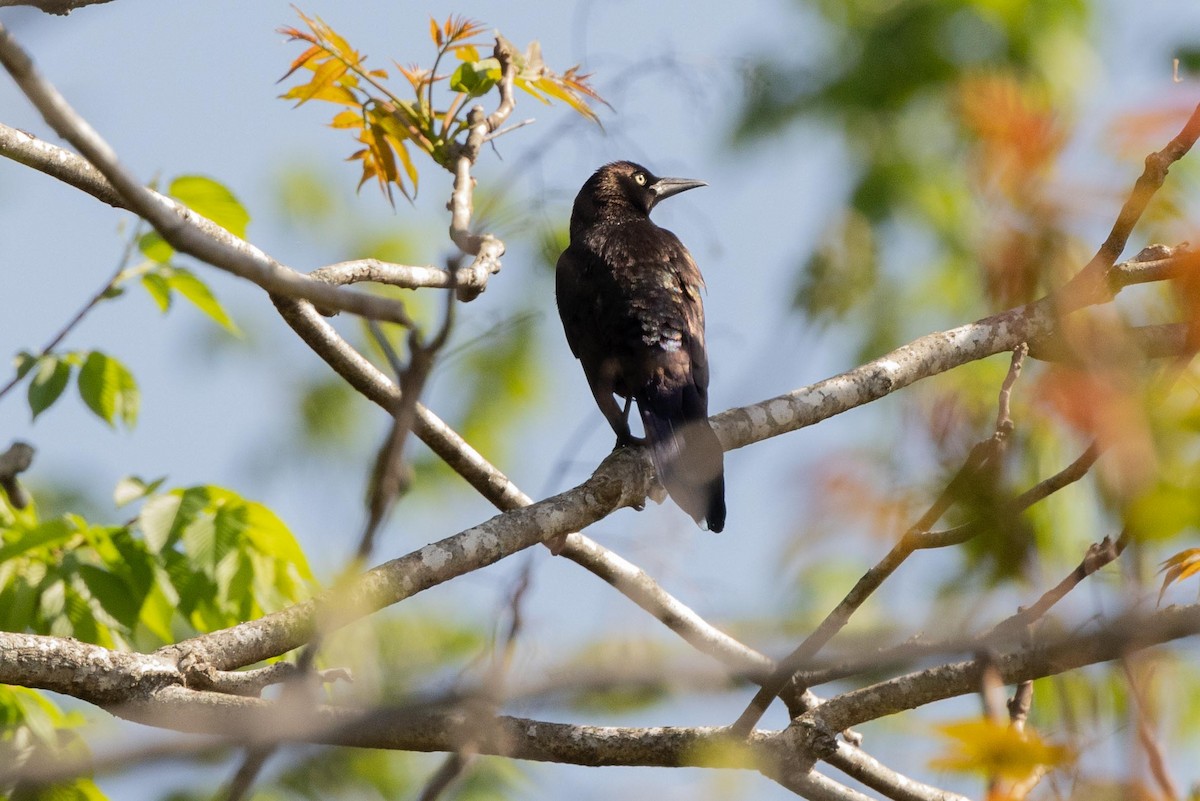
158,609
132,488
212,200
271,535
156,519
155,248
48,383
24,362
476,78
109,389
52,532
113,594
187,284
159,290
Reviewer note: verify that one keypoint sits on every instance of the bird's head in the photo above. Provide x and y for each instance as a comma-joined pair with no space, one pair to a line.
625,187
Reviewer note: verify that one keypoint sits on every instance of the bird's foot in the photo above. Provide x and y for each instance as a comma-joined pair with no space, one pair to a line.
629,441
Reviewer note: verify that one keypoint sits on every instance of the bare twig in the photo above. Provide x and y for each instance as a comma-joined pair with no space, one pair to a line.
1020,704
983,456
1096,282
1011,630
91,303
390,477
1044,656
486,248
860,765
1098,555
1146,736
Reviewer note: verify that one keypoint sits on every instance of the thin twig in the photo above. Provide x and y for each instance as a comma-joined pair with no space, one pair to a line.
982,456
91,303
1146,736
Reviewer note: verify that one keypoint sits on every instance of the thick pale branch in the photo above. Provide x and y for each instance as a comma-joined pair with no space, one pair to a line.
619,481
151,689
497,488
855,762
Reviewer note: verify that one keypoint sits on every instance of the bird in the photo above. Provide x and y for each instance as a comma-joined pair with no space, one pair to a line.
629,295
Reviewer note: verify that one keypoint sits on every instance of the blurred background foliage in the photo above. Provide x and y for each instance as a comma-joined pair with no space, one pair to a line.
961,196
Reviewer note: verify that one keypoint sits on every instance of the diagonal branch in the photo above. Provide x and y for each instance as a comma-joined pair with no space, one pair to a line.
984,456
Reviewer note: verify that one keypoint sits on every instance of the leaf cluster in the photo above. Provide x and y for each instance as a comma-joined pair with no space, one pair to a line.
387,122
192,560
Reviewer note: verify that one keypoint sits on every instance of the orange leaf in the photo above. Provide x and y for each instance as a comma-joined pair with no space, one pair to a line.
435,32
332,94
997,749
323,79
1182,565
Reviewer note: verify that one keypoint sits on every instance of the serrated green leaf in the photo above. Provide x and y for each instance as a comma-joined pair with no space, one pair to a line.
114,595
156,519
211,199
52,601
49,381
155,248
159,290
187,284
199,539
109,389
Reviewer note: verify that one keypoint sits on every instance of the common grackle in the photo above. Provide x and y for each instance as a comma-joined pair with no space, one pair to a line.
629,297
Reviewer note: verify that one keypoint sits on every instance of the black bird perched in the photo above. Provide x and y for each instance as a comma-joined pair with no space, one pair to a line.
629,297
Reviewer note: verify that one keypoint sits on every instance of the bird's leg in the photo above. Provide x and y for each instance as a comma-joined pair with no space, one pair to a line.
625,437
618,419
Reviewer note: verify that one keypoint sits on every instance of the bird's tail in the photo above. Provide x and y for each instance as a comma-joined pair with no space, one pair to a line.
687,454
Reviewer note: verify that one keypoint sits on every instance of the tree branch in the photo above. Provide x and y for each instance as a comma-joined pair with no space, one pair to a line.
182,228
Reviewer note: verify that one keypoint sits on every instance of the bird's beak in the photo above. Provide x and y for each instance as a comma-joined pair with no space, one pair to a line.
665,187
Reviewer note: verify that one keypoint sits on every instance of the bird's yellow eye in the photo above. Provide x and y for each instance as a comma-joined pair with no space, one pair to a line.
639,178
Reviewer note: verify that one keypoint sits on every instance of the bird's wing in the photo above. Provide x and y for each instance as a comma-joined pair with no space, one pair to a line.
572,300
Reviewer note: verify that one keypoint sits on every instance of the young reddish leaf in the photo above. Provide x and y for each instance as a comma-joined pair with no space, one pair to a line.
435,32
416,76
304,58
460,28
